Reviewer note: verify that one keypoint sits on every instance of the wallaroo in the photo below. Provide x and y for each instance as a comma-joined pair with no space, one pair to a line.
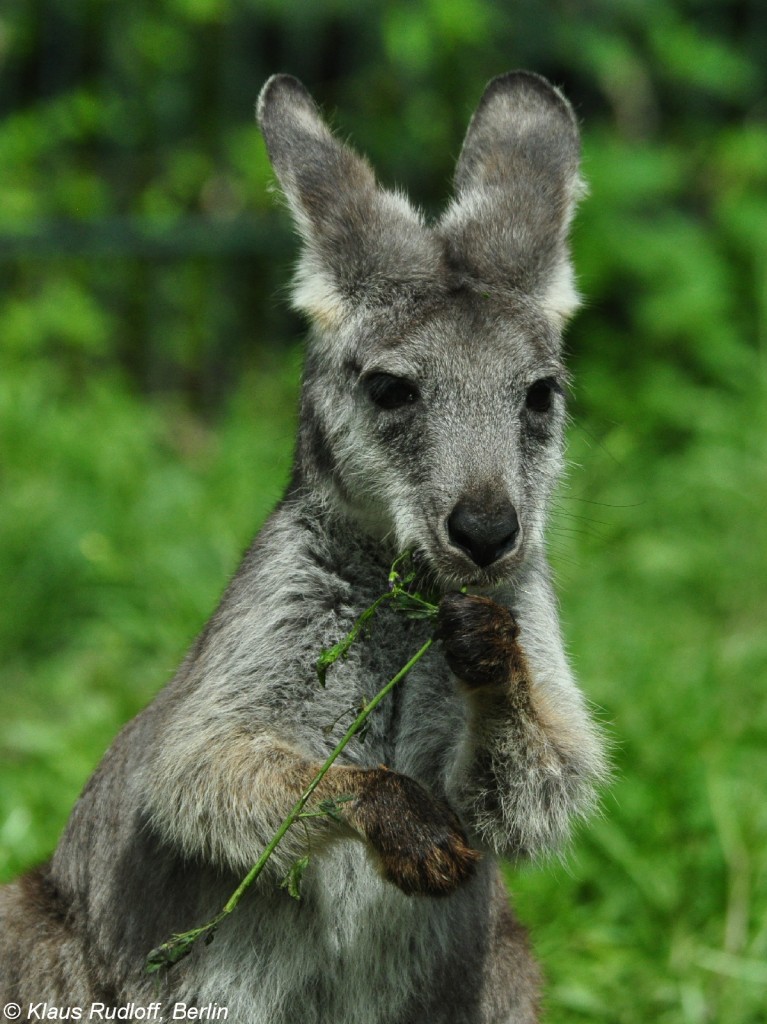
432,412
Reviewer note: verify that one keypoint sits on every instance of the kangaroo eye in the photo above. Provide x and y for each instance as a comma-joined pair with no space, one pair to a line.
540,395
390,392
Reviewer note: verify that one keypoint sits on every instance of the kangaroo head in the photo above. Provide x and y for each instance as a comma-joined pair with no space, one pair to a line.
433,396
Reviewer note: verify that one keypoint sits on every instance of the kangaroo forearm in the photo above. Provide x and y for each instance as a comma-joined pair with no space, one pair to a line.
227,807
526,769
530,756
225,804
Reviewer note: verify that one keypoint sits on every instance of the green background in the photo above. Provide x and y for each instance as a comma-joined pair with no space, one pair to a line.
148,375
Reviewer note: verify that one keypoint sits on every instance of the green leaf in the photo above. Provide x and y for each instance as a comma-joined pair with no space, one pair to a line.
169,953
329,656
330,806
292,881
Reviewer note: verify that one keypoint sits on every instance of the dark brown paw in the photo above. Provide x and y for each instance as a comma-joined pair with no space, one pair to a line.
417,840
479,638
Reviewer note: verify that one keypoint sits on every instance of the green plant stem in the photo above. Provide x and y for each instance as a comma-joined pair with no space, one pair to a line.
340,650
180,945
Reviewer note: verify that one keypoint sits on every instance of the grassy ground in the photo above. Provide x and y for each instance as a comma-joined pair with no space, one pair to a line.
120,521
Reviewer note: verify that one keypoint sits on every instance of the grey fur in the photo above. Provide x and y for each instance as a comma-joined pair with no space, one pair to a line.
469,310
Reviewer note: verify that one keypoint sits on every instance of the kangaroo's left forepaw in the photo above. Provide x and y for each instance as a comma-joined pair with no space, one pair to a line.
479,638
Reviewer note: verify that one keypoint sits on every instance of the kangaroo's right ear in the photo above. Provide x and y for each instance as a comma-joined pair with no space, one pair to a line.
360,240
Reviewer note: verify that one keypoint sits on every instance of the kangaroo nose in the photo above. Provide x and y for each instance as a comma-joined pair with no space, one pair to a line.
484,535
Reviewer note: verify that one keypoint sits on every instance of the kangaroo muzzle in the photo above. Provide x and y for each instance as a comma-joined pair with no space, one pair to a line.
484,532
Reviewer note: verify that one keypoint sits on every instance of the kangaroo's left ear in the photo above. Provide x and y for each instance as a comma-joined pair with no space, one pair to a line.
516,185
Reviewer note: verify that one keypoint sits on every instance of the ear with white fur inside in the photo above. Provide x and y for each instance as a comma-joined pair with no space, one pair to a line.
360,240
516,186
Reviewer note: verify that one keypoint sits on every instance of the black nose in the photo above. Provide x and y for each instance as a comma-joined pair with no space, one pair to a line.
484,534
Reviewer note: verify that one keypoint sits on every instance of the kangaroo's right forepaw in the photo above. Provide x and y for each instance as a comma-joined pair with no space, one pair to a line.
435,868
417,841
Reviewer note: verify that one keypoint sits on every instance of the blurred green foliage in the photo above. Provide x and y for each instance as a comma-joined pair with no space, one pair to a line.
147,390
